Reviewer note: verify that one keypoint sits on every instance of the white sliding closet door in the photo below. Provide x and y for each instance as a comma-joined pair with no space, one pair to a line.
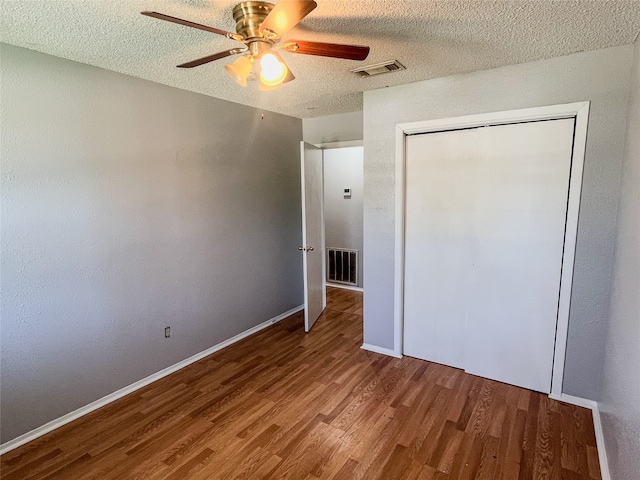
437,250
518,225
485,226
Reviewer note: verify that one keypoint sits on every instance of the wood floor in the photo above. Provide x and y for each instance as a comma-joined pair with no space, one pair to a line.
285,404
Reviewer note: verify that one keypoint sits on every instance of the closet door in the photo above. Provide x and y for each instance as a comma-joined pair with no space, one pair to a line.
439,196
484,235
516,229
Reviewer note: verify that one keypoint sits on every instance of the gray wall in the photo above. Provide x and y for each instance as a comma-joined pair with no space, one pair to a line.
342,127
342,216
128,206
602,77
620,402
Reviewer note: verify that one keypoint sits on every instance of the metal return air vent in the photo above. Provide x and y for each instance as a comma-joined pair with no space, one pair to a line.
342,266
379,68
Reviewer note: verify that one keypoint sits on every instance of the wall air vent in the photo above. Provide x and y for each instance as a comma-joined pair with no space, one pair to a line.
342,266
378,68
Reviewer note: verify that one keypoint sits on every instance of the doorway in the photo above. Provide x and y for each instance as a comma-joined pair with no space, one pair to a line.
343,194
332,191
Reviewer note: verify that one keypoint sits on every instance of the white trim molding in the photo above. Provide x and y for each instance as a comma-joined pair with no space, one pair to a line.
381,350
71,416
578,401
341,144
344,287
597,426
602,451
580,112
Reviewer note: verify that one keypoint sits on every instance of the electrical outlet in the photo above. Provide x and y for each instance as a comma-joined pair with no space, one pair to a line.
167,332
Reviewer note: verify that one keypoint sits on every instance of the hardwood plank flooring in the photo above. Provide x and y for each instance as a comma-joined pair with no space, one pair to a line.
283,404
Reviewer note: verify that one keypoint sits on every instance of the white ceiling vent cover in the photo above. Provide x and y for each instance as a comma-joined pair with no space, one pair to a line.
379,68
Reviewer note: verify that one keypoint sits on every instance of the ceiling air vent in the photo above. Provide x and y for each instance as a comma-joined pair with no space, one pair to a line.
378,68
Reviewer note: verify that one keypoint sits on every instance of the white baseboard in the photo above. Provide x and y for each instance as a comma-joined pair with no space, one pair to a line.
344,287
383,351
580,402
597,425
71,416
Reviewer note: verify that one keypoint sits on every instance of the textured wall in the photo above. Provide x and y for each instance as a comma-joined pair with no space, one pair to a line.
128,206
601,77
620,400
343,217
343,127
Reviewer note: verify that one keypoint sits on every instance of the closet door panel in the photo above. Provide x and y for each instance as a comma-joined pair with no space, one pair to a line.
439,196
517,228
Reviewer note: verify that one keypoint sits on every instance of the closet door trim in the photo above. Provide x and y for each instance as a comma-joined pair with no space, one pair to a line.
579,111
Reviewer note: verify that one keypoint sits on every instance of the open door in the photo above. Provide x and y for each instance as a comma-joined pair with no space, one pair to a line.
312,233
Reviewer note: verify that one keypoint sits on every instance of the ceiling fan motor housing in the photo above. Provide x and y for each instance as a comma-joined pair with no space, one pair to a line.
249,16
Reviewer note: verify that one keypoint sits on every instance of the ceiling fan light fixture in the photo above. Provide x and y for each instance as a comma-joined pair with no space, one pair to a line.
266,88
240,69
260,26
272,69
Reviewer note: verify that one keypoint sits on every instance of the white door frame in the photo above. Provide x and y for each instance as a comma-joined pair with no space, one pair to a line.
579,111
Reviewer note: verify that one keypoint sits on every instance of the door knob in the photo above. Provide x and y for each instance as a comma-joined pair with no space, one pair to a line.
310,249
300,247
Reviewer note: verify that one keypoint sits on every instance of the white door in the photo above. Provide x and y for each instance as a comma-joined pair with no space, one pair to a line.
486,230
312,238
437,245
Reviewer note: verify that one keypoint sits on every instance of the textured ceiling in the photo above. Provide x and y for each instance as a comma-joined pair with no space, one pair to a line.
431,38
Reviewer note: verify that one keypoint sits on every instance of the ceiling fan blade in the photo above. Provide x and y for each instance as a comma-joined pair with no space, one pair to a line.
187,23
335,50
211,58
286,15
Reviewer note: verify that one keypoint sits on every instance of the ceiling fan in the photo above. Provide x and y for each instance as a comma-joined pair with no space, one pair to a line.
260,26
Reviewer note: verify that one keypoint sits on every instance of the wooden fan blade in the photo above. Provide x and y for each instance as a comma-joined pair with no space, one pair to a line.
335,50
211,58
187,23
286,15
